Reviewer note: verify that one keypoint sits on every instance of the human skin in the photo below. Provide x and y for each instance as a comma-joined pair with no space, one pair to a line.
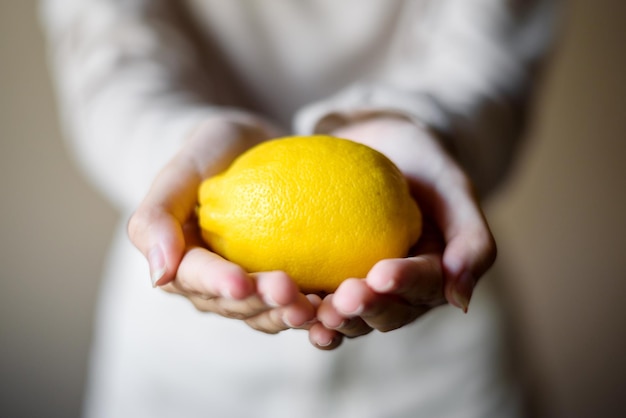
454,251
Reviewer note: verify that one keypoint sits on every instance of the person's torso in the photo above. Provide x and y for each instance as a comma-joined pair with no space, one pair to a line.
287,53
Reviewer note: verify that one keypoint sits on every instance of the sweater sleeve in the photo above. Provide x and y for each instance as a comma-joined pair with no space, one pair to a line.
464,68
130,88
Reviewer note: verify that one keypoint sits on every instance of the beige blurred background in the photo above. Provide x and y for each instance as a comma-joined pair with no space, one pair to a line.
560,222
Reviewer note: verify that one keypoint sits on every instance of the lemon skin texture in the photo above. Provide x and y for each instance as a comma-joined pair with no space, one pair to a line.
320,208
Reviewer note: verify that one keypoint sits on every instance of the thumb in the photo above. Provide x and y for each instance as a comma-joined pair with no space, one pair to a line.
468,255
159,237
470,247
156,227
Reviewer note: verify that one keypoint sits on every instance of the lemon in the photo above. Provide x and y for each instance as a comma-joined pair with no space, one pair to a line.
321,209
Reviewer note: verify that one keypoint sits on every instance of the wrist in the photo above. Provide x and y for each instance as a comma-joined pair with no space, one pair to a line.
221,137
373,125
243,124
336,121
381,129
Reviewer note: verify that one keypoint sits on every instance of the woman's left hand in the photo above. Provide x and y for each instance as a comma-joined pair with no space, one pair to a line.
456,247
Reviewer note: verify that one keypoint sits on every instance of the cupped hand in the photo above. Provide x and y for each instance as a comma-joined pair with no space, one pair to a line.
164,228
455,250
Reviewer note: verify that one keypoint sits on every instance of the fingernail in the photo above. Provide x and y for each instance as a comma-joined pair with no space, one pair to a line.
156,261
340,325
325,343
356,311
287,322
226,293
386,286
309,323
269,300
462,291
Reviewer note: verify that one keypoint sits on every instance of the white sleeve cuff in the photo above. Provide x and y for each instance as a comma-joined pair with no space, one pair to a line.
359,100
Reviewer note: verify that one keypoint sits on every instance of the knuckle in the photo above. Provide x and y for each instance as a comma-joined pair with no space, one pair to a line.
139,222
132,227
458,179
201,305
233,313
256,326
388,327
358,333
466,183
400,319
355,328
493,250
170,288
184,284
483,251
490,249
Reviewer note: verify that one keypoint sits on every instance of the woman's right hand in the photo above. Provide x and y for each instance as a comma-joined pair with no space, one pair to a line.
164,228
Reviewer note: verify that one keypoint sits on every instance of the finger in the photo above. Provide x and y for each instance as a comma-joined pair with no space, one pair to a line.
156,226
324,338
416,280
216,285
350,301
467,257
228,308
351,297
204,273
242,309
315,300
295,315
469,253
276,288
330,317
390,313
270,322
470,246
300,313
381,312
255,312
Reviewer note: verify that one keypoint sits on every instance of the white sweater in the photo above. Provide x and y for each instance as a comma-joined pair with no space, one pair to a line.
135,76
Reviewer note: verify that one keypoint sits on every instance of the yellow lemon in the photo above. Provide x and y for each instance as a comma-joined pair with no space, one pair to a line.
321,209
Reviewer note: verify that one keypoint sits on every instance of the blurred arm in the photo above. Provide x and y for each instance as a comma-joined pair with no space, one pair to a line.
465,68
130,86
